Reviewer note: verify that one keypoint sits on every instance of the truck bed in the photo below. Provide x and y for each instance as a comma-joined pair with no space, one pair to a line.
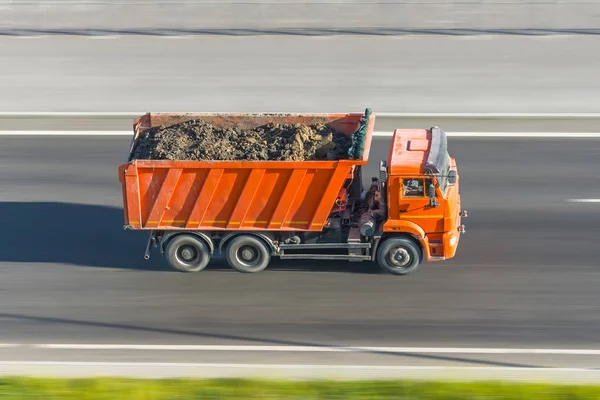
237,195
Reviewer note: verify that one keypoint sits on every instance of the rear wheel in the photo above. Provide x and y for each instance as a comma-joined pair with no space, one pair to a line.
248,254
187,253
399,256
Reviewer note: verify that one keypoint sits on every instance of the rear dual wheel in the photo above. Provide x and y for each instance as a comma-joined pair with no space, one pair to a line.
187,253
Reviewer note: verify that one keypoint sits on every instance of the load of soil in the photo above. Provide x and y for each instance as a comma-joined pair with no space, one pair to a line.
198,140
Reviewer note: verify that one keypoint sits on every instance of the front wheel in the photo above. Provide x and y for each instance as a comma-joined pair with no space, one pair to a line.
248,254
187,253
399,256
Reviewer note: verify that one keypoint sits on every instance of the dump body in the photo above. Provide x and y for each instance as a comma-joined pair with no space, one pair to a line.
238,195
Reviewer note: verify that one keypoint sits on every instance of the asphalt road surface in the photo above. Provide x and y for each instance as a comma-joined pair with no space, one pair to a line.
301,74
310,17
526,274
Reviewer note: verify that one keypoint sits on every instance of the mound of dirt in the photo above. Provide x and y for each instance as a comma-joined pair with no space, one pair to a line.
200,141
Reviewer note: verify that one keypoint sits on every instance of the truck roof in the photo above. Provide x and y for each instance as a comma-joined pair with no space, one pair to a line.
417,151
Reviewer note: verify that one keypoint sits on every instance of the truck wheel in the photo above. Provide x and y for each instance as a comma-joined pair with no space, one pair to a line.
187,253
399,256
248,254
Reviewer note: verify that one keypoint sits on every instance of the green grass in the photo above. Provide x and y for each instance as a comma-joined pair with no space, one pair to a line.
125,389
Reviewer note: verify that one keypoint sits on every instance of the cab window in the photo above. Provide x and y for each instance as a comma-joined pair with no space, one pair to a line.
415,187
412,187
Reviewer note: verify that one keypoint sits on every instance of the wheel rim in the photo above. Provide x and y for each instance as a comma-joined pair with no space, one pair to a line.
188,254
248,255
399,258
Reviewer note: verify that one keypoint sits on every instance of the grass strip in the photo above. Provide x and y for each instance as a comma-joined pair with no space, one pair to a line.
217,389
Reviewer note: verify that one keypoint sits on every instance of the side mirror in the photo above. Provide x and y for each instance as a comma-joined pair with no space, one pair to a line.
431,195
452,177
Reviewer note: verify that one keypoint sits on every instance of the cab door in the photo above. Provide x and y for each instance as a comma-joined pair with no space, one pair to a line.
414,204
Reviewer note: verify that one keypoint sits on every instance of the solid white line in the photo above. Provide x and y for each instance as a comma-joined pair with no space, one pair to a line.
176,38
111,37
293,366
512,134
382,114
318,349
30,37
489,115
375,134
584,200
525,134
70,114
66,133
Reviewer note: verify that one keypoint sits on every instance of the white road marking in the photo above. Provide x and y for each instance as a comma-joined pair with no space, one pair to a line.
382,114
308,349
174,38
512,134
489,115
30,37
294,366
297,371
584,200
375,134
98,37
66,133
108,114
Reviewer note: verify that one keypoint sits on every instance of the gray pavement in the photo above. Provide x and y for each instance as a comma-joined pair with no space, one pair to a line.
526,274
301,74
309,16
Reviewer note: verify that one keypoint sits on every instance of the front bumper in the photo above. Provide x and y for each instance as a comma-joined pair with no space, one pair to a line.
452,238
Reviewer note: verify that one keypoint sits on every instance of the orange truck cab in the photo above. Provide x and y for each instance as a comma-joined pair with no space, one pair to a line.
252,211
420,185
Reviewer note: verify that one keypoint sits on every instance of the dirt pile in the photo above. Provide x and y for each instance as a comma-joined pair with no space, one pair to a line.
200,141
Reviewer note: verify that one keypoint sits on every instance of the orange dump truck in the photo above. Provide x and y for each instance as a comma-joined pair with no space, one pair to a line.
252,211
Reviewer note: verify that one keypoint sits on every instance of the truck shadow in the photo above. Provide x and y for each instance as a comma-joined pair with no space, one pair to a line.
219,264
67,233
92,235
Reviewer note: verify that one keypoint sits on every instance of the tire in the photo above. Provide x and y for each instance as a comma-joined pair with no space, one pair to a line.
399,256
247,254
187,253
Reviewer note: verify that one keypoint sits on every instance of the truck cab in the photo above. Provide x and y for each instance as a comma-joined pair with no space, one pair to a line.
424,214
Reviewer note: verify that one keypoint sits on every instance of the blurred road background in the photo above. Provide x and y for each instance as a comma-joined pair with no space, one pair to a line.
313,74
526,274
298,16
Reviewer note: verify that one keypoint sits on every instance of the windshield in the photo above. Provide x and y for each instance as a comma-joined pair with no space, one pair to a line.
438,161
442,177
